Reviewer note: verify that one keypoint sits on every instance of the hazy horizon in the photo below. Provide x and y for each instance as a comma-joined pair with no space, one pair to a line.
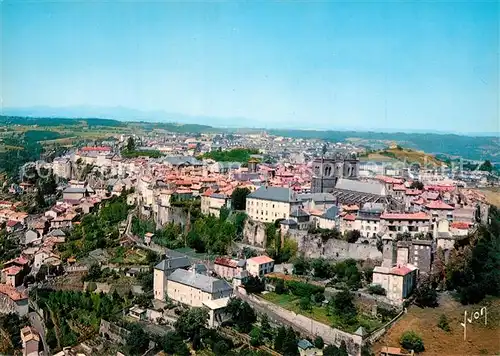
387,67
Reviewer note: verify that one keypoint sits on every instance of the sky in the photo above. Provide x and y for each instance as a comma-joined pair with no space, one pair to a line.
428,66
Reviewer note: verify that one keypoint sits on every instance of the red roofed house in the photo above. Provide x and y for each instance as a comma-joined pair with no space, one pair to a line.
439,209
13,225
12,276
260,265
398,223
228,268
397,281
13,301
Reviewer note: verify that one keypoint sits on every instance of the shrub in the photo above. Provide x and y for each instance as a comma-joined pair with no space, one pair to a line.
318,342
425,295
280,287
305,303
302,289
376,289
92,286
410,340
443,323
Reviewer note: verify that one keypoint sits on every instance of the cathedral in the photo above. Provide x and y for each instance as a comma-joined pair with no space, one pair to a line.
328,170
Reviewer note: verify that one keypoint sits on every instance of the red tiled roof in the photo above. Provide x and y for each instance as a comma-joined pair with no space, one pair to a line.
438,204
96,148
401,270
260,259
405,216
12,223
349,217
226,262
440,188
12,292
12,271
389,180
399,187
462,225
413,192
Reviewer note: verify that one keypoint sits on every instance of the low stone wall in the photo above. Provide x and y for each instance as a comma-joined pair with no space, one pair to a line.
114,332
377,334
305,325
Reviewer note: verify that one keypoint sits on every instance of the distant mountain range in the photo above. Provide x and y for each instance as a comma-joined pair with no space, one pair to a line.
477,147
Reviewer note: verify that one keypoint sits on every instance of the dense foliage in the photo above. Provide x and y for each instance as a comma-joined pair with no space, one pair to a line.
10,338
242,315
234,155
97,230
72,315
239,198
410,340
473,269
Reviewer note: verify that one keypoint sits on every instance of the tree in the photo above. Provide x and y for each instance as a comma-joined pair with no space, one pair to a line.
279,339
352,236
172,343
267,330
305,304
426,295
239,198
343,305
318,342
279,288
443,323
221,348
301,266
486,166
137,340
410,340
191,322
94,273
290,347
332,350
321,268
130,144
254,285
376,289
241,314
417,185
256,337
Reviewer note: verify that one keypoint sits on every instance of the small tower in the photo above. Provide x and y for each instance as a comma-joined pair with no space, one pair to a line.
252,165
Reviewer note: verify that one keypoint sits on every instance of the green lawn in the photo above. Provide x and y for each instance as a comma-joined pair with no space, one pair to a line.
319,313
127,257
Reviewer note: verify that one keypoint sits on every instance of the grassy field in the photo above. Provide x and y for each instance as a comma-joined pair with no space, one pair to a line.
481,339
403,155
319,313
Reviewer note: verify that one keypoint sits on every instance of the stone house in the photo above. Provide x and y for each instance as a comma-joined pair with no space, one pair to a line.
268,204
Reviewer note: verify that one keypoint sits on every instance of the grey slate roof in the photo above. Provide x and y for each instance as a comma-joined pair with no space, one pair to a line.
331,213
278,194
375,188
173,262
199,281
304,344
298,212
317,197
75,190
56,233
176,161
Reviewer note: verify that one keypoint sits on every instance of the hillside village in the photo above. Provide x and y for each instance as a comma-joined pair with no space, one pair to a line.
128,246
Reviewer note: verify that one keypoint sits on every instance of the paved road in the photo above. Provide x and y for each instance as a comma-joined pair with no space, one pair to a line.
37,323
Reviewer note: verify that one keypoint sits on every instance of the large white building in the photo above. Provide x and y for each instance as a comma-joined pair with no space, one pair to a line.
268,204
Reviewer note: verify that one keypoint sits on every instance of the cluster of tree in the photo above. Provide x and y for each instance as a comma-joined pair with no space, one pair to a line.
72,315
234,155
473,267
10,338
239,198
9,248
97,230
343,274
410,340
131,151
280,249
